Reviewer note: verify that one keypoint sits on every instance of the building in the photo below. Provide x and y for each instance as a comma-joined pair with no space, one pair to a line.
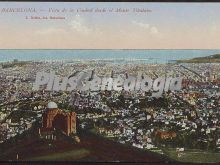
165,134
55,119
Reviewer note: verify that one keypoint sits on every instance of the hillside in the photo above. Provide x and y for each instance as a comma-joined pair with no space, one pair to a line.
92,148
208,59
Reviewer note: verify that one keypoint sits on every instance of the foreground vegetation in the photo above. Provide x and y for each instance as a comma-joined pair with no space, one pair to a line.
193,155
67,155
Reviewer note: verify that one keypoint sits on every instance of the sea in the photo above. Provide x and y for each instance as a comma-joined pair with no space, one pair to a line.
146,55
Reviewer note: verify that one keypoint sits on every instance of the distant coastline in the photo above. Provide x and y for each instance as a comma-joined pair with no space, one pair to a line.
208,59
150,56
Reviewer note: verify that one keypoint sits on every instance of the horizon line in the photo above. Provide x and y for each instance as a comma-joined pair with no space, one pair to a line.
99,49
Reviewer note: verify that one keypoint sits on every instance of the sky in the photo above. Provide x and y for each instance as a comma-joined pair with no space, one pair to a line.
167,26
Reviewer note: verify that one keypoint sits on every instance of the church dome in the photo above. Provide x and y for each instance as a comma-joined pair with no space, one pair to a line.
52,105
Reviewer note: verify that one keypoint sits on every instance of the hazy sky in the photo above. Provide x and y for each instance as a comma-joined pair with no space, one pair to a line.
168,26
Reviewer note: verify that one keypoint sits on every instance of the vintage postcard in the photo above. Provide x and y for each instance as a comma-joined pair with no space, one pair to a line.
110,82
